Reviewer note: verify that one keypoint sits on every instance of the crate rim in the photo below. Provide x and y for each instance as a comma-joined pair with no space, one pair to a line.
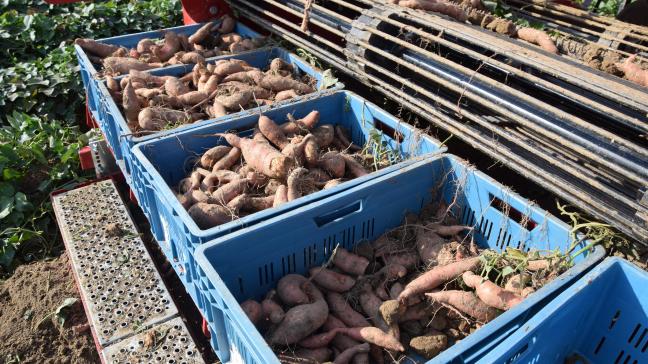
192,226
248,329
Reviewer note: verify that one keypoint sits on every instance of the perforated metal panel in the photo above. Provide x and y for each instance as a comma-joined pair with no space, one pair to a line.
130,311
167,343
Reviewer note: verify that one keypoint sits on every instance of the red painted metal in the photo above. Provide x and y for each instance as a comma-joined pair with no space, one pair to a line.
205,329
198,11
85,157
90,121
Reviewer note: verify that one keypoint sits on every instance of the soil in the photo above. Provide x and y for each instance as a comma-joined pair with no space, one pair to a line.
29,332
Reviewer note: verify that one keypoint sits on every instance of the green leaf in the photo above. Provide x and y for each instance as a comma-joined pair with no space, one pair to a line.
6,189
22,204
507,270
7,255
515,254
6,206
328,80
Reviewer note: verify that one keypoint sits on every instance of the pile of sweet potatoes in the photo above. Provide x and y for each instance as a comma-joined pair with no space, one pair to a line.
153,103
210,40
419,289
274,165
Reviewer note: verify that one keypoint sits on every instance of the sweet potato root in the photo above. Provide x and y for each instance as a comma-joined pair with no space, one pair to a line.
210,157
169,48
93,47
121,65
429,345
344,312
354,167
538,37
301,321
260,156
209,215
294,190
253,310
333,163
130,103
373,335
436,276
272,311
634,72
156,118
349,262
228,160
290,291
201,33
272,132
227,25
285,95
318,340
304,124
279,83
331,280
348,354
492,294
281,196
466,302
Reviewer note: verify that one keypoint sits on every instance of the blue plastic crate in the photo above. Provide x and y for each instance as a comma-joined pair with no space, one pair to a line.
602,318
164,162
89,70
119,135
249,262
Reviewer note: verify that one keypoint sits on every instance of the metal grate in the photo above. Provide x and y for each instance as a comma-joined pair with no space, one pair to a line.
167,343
120,287
576,131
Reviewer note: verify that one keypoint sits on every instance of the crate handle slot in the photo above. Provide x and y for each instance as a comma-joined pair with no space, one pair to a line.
388,130
510,211
338,214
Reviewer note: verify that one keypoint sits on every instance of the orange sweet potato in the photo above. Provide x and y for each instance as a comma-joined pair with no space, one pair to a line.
281,196
304,124
278,83
294,183
213,155
492,294
373,335
156,118
209,215
538,37
633,71
169,48
93,47
202,33
285,95
272,132
437,276
228,160
130,103
261,156
466,302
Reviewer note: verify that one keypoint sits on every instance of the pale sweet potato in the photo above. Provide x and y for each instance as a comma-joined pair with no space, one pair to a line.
202,33
466,302
349,262
373,335
344,312
281,196
278,83
120,65
213,155
293,183
492,294
261,156
156,118
437,276
130,103
228,160
174,87
209,215
272,132
333,163
98,49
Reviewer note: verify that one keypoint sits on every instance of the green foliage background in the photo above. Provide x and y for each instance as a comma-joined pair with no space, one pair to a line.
41,107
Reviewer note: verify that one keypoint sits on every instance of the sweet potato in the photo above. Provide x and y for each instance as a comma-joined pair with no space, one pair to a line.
353,167
230,38
156,118
218,178
98,49
281,196
538,37
235,101
294,183
517,282
217,110
442,7
209,215
349,262
429,345
169,48
120,65
148,93
331,280
304,124
174,87
415,312
252,76
407,260
633,71
466,302
210,157
390,311
448,230
341,134
301,321
227,161
251,203
130,103
428,245
437,276
295,150
195,179
373,335
253,310
285,95
332,183
112,85
492,294
227,68
324,135
202,33
272,311
192,98
272,132
211,84
290,291
278,83
261,156
333,163
227,24
344,312
192,57
230,190
348,354
318,340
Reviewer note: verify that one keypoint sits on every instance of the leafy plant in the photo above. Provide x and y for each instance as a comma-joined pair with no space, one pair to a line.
61,312
36,156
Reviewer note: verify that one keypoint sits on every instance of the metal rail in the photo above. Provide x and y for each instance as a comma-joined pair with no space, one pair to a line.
438,69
